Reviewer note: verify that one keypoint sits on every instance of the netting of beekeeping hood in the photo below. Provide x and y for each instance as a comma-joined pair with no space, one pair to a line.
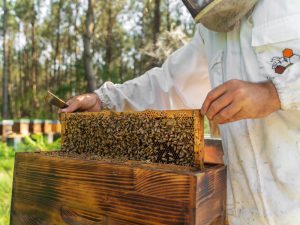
168,137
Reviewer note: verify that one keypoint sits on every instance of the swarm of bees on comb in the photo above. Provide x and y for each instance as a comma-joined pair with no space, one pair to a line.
168,137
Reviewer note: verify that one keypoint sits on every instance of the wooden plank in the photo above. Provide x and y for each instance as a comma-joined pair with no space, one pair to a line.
108,189
172,185
55,190
211,197
213,151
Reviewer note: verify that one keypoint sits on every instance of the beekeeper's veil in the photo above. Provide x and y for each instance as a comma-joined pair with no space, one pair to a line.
219,15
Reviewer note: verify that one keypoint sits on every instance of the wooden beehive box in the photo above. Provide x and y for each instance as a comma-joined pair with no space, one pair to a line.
21,126
35,126
56,126
47,127
6,128
68,188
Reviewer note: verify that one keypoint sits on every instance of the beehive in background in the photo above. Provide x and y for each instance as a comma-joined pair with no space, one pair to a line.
35,126
56,126
6,127
47,127
21,126
168,137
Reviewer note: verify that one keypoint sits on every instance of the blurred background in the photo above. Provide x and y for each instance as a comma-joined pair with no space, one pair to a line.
72,47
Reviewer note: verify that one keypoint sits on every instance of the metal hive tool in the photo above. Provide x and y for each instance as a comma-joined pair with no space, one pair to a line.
168,137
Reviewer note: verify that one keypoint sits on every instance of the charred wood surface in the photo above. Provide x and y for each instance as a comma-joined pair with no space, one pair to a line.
49,189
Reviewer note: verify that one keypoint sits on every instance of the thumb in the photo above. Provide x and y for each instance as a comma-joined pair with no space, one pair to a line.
74,106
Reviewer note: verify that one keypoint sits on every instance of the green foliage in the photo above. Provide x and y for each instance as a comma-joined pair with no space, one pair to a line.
5,194
37,142
6,175
5,151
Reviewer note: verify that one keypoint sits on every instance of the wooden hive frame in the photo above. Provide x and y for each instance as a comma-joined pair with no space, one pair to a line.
70,122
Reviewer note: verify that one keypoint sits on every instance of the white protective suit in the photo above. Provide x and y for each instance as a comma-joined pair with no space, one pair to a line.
263,155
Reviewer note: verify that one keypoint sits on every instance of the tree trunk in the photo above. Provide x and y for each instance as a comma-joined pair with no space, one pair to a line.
121,67
156,21
87,54
168,15
109,28
20,89
11,89
76,80
68,69
57,45
34,60
156,30
5,103
46,74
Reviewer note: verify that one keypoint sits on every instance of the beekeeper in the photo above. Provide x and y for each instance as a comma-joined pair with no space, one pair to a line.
251,51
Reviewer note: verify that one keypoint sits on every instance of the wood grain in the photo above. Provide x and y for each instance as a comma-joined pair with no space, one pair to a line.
50,190
213,151
208,201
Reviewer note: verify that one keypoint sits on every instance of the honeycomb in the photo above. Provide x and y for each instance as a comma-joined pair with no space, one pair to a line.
168,137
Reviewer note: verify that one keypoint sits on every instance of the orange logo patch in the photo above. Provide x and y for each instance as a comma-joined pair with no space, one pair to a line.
280,64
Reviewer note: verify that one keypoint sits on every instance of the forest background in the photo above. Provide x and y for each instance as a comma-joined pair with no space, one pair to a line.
74,46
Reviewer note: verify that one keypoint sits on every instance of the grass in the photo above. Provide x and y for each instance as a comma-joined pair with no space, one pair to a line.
6,175
7,155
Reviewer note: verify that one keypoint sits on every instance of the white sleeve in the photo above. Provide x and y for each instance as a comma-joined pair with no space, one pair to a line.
181,82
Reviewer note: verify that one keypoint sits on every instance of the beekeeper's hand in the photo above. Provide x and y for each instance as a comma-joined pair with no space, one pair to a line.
83,103
236,100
